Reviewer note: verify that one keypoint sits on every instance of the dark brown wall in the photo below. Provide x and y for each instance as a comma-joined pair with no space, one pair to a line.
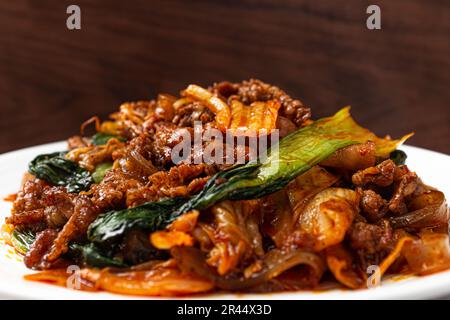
396,79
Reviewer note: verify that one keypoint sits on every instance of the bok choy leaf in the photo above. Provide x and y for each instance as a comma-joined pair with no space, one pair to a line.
22,239
101,138
57,170
100,171
94,256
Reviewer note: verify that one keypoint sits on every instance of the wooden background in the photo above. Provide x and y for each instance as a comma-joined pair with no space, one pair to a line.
396,79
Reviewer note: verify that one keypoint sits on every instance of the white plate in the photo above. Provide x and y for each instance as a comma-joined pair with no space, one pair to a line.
431,166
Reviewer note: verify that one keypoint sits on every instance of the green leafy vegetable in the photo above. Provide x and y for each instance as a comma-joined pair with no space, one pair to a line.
100,138
296,154
56,169
398,156
22,239
100,171
94,257
151,215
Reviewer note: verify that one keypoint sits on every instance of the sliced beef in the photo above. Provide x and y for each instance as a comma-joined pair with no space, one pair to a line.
38,249
85,212
370,237
30,196
397,183
167,136
404,187
58,206
186,115
38,202
373,206
181,180
372,242
111,192
26,217
381,175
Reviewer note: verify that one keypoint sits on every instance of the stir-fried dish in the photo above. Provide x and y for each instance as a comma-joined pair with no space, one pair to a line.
330,201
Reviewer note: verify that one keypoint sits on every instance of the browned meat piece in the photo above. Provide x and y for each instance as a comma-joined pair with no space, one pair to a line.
403,188
112,191
370,237
404,183
167,136
229,156
142,144
162,110
58,206
255,90
187,114
43,242
38,202
172,183
382,175
29,198
182,173
84,214
26,217
225,89
371,241
285,126
374,207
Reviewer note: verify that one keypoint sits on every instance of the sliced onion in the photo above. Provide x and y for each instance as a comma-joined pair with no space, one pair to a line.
340,263
275,262
429,254
430,210
162,279
157,282
355,157
327,217
285,206
305,187
59,277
